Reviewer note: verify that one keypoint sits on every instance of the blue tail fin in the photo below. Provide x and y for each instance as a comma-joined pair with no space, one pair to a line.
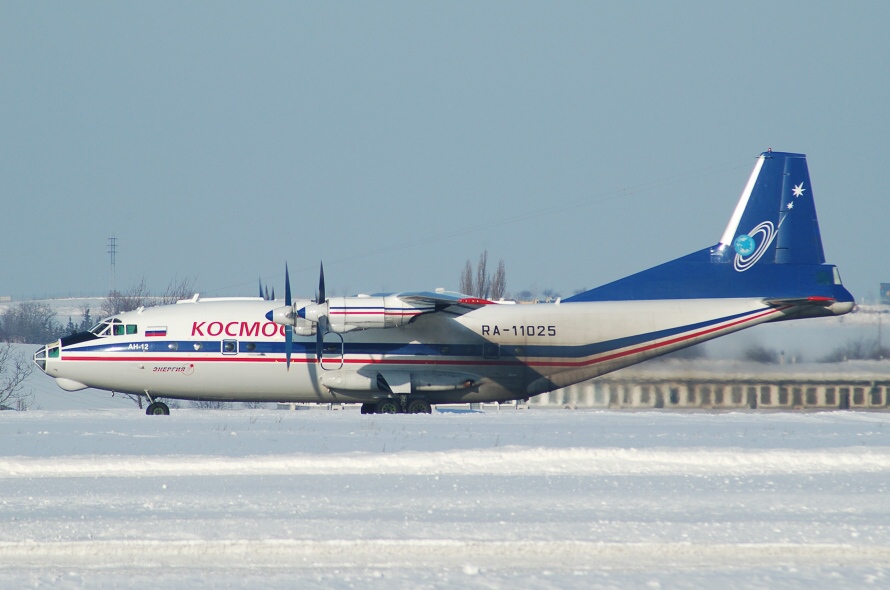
775,220
771,248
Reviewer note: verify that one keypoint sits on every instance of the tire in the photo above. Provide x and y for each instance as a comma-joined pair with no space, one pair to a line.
157,409
388,406
419,406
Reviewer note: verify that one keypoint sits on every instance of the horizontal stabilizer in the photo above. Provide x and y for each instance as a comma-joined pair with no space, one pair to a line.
815,301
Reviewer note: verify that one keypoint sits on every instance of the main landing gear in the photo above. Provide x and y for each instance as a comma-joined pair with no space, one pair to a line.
393,405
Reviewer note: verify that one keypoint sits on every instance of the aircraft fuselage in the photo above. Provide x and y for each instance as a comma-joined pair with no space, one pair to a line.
226,350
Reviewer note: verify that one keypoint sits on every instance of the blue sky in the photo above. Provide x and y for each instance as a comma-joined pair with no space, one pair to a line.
579,142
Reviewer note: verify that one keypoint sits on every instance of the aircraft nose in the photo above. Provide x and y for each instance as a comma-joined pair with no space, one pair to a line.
40,358
50,351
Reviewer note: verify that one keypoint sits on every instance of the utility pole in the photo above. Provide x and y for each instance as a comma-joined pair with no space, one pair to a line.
112,250
880,317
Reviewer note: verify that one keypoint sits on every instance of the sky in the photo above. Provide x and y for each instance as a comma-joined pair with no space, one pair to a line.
578,142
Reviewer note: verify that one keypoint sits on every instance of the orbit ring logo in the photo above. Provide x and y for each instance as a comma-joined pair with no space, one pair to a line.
747,250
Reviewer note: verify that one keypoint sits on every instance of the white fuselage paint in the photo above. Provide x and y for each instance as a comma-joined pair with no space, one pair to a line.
492,353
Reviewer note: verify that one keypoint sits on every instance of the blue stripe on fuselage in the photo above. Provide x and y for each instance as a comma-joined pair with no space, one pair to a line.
419,350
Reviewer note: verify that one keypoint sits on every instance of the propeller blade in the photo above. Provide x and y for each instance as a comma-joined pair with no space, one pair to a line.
287,300
321,329
288,343
320,298
288,330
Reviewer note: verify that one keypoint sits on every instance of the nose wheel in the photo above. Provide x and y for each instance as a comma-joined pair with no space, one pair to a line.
157,409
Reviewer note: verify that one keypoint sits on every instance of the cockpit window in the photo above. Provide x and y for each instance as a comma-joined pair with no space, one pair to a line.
101,329
113,327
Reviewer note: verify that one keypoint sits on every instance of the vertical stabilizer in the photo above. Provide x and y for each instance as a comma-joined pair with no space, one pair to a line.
775,219
771,248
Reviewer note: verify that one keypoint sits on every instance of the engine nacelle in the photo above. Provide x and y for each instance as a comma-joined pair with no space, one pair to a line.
345,314
363,312
286,317
304,327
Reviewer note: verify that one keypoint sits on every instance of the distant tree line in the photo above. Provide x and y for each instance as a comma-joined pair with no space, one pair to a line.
139,295
34,322
30,322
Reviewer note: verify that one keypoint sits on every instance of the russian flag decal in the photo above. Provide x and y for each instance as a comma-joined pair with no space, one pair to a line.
155,331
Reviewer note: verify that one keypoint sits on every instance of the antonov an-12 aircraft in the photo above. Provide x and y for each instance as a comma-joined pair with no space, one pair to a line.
404,352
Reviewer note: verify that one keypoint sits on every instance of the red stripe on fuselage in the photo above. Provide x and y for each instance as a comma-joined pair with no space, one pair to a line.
657,345
431,361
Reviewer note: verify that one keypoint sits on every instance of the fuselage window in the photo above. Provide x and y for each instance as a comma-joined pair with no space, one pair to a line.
248,346
132,329
230,347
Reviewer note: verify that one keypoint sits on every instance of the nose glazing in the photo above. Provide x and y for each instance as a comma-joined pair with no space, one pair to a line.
40,358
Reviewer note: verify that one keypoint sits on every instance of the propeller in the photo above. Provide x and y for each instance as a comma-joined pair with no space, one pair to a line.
266,295
322,325
288,329
287,315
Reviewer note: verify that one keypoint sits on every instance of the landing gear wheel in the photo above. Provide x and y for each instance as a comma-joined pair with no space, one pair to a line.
369,408
419,406
157,409
388,406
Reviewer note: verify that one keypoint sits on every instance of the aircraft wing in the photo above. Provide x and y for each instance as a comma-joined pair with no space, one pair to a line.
450,301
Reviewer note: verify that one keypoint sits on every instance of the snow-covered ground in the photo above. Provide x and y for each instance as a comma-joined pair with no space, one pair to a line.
496,499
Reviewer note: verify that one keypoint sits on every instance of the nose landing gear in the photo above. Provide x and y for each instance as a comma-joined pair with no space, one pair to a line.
157,409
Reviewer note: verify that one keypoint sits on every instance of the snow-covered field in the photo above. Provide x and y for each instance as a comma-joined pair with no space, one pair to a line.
508,499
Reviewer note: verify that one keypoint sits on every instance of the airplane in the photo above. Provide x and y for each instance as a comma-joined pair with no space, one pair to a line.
405,352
